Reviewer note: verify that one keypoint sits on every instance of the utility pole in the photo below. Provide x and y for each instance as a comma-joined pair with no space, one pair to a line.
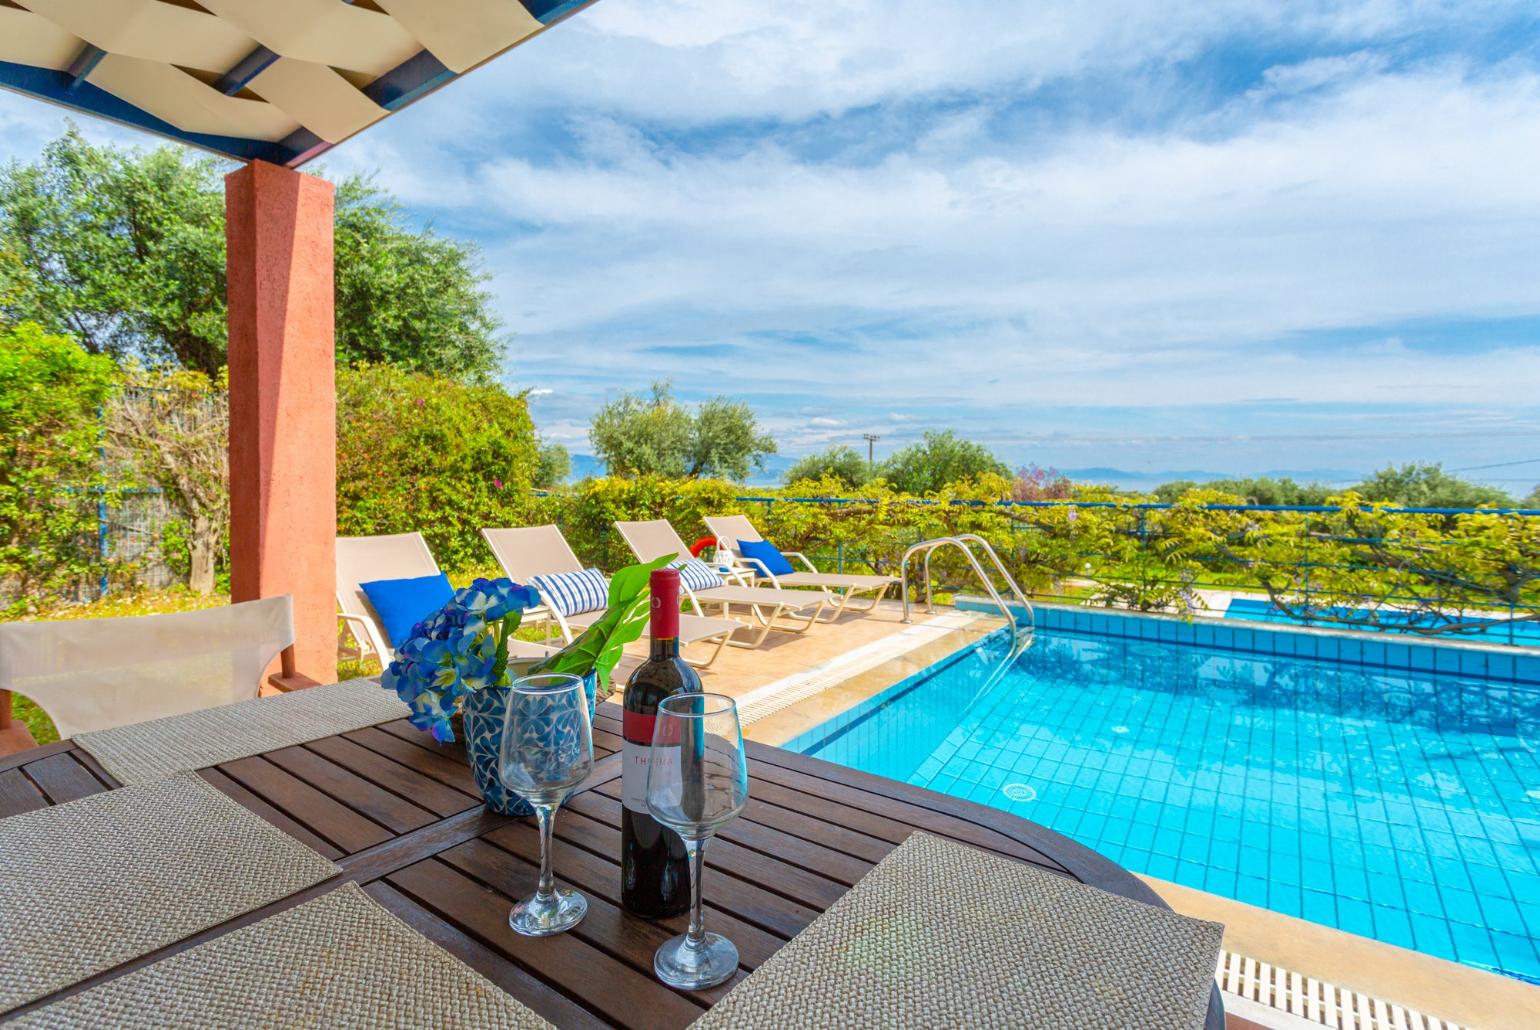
871,444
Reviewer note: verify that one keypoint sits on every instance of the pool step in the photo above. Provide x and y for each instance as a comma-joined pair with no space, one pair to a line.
1286,1000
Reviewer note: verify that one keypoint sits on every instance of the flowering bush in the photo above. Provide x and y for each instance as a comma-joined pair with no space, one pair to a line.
460,648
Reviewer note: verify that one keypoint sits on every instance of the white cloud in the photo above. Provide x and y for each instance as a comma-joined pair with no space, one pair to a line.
541,391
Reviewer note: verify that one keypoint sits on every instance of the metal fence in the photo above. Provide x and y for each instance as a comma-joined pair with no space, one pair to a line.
1508,625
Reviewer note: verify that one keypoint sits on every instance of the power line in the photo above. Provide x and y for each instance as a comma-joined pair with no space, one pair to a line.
1499,465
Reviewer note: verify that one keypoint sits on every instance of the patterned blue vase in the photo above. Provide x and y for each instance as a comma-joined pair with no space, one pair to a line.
484,712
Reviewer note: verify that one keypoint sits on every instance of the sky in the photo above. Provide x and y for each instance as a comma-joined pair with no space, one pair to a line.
1223,235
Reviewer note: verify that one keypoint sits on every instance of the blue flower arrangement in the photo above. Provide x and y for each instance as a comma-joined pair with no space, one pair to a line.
460,648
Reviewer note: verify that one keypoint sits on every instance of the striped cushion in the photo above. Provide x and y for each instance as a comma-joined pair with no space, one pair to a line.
572,593
696,574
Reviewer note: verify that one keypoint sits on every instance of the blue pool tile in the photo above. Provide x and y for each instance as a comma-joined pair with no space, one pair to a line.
1473,663
1374,652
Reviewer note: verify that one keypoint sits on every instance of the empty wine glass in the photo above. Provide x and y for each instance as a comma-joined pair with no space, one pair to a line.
697,782
546,751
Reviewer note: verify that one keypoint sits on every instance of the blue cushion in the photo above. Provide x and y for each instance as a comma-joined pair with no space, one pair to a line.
766,553
696,574
572,593
403,603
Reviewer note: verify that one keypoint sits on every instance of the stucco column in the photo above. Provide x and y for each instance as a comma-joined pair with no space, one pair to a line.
283,403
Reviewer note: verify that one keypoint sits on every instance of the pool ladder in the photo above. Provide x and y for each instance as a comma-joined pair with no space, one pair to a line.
964,542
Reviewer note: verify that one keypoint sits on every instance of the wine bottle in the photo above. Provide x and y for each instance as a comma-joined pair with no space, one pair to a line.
654,869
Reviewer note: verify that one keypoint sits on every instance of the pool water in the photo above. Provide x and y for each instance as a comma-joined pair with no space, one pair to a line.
1399,805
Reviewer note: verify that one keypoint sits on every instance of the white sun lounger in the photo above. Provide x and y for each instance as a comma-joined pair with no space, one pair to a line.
733,528
655,538
364,559
542,551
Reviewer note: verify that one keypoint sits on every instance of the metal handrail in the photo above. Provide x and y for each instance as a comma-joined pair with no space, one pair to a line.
962,543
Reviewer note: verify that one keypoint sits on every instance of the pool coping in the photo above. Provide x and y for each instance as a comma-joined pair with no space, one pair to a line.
1449,991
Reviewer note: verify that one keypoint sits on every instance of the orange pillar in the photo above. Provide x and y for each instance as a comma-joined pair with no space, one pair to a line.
283,404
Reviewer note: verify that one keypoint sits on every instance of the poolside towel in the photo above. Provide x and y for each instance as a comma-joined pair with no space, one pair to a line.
940,934
145,751
90,884
340,960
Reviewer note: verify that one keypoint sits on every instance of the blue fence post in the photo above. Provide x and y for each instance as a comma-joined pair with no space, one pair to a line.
841,566
103,544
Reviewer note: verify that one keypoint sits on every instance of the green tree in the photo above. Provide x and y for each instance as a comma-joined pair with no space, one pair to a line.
553,464
938,460
1533,500
1427,486
50,392
124,250
845,465
121,249
1256,490
412,299
655,435
419,452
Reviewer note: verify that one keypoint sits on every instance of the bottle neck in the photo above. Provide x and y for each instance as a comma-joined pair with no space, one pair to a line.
664,648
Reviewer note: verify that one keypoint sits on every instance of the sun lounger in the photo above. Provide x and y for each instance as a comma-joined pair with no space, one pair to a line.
785,608
534,551
364,559
730,529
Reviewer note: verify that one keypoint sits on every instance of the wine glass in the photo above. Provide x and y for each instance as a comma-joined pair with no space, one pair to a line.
546,751
697,782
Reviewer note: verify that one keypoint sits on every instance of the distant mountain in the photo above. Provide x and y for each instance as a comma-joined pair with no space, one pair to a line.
1130,480
586,465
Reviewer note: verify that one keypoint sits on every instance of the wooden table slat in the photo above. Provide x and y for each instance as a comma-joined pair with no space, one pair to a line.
322,815
63,778
19,794
391,811
446,768
770,911
625,938
600,876
400,780
783,875
584,974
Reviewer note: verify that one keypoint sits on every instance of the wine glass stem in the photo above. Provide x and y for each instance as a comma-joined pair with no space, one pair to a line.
696,849
546,814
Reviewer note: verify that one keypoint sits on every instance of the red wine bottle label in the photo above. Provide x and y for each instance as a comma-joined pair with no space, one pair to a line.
633,777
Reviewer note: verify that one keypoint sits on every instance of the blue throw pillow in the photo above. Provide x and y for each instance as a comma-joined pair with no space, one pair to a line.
766,553
403,603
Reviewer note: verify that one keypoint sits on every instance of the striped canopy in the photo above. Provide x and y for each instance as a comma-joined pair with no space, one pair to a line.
275,80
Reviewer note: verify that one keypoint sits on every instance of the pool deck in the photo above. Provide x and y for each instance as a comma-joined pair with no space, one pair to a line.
843,664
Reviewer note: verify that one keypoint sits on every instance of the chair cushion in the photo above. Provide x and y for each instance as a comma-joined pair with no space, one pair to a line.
696,574
403,603
767,554
573,593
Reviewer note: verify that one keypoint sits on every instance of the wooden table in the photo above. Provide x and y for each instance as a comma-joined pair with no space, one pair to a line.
402,817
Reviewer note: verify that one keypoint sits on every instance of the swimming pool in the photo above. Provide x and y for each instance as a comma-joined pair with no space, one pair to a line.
1398,804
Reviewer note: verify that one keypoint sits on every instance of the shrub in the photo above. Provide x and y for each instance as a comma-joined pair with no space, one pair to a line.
425,453
50,392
